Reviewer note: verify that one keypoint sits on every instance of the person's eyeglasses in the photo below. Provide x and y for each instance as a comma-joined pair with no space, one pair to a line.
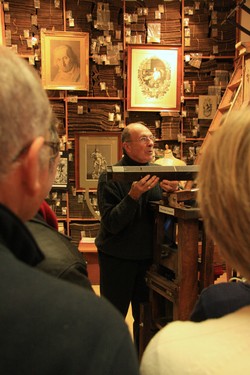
145,139
55,147
21,152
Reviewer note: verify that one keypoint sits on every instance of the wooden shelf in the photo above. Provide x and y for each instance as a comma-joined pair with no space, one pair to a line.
194,139
82,219
95,98
211,57
87,247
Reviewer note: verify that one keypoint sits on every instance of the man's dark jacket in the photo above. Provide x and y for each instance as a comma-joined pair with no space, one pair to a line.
127,225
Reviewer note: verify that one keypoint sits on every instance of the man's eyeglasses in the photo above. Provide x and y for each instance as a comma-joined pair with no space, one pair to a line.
55,147
21,152
145,139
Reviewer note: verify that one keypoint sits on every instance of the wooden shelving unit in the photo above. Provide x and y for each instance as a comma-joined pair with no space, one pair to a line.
127,21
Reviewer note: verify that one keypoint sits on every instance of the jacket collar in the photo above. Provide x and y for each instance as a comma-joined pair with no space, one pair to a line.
16,237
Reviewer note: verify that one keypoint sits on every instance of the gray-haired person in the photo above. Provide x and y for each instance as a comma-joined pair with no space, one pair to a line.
47,326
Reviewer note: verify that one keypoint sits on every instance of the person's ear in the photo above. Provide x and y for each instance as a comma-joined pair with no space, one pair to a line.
31,167
125,146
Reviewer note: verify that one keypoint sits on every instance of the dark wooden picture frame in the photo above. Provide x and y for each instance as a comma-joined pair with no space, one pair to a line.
93,153
154,78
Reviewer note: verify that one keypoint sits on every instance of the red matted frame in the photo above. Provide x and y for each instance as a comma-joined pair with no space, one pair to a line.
154,78
93,153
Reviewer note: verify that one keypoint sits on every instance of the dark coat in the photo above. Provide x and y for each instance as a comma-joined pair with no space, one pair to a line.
49,326
61,258
221,299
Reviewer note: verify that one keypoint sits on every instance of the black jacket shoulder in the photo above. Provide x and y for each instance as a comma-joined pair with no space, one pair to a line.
61,257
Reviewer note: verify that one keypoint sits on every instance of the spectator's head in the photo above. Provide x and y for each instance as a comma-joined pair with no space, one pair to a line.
224,190
29,141
138,142
65,58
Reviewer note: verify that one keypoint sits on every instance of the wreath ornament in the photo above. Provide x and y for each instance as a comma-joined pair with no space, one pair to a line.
154,76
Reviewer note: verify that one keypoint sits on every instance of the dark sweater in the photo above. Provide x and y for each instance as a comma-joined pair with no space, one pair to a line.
49,326
126,225
221,299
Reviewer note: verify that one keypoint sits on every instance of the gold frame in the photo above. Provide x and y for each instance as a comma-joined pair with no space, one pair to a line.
79,42
147,92
2,33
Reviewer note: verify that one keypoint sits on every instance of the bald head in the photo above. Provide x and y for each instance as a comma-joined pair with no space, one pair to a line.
138,142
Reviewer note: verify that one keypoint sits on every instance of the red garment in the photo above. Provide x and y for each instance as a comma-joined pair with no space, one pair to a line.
48,214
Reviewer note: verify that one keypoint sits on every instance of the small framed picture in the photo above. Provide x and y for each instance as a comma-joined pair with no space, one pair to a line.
207,107
93,153
61,178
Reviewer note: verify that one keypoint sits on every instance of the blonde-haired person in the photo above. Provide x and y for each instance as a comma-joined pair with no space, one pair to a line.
215,346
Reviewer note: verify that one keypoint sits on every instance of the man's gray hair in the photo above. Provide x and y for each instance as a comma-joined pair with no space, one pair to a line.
25,111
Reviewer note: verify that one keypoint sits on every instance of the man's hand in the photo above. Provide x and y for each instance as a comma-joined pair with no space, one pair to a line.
169,186
140,187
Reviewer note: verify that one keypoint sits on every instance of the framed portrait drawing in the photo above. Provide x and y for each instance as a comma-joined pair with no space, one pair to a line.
93,153
65,60
154,78
61,178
